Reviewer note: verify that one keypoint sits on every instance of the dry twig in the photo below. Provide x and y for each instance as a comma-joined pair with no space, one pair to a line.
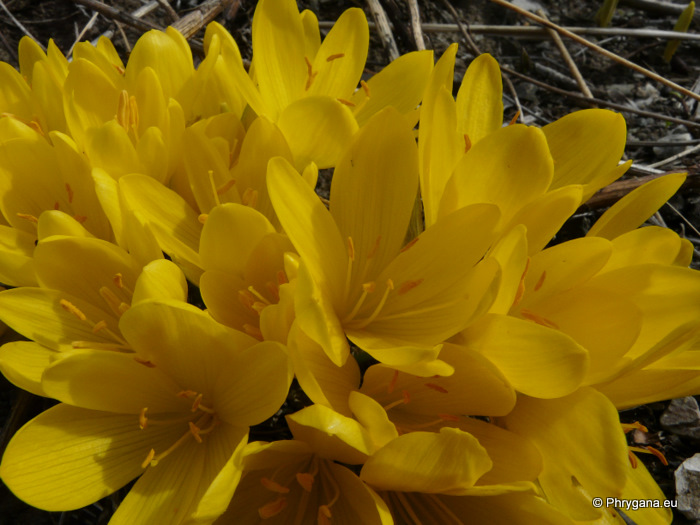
19,25
383,28
598,49
115,14
415,24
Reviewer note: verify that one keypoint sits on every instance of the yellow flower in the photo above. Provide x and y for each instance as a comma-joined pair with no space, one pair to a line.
177,415
356,279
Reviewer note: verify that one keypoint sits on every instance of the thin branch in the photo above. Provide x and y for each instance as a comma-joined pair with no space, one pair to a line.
85,29
597,48
567,58
415,24
116,14
381,23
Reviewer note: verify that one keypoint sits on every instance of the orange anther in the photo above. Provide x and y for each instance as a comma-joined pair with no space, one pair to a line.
195,430
369,287
100,325
540,281
250,197
274,486
69,190
148,459
310,74
80,218
392,383
253,331
375,246
632,458
408,285
28,217
334,57
346,102
448,417
406,397
467,143
437,388
351,249
56,205
306,480
71,308
282,277
202,218
186,394
225,187
144,362
196,402
324,515
515,118
538,319
365,87
273,508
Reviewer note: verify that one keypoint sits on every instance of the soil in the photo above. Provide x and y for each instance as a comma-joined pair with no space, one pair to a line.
535,56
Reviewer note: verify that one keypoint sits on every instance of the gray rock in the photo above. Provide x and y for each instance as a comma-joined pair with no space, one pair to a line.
688,487
682,417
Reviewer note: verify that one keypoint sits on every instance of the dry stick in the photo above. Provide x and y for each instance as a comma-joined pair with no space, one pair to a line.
602,51
18,24
415,24
677,156
659,7
476,52
567,58
115,14
85,29
600,102
172,14
384,29
206,12
537,32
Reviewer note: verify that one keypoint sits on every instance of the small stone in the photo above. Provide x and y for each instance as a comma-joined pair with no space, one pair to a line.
682,417
688,487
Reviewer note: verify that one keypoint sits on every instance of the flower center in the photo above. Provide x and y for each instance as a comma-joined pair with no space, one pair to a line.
306,480
128,114
201,421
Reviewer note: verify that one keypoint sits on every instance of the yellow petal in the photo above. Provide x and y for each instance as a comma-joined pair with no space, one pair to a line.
196,481
16,264
400,84
636,207
510,167
23,362
331,435
537,360
68,457
110,148
15,94
317,129
338,76
373,417
558,431
480,99
372,194
312,35
427,462
323,381
309,225
278,44
160,279
38,314
511,254
586,147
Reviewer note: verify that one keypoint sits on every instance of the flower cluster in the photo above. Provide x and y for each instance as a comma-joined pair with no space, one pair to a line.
457,369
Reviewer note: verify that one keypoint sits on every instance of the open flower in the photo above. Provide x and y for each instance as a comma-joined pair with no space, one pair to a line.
355,276
177,415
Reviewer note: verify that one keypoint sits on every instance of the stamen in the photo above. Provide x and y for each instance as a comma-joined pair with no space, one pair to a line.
515,118
99,325
36,127
540,281
273,508
250,197
28,217
632,458
122,115
306,480
437,388
119,283
210,173
202,218
651,450
274,486
408,285
467,143
273,289
367,288
114,347
521,285
324,515
348,272
56,205
346,102
253,331
154,459
334,57
389,288
282,277
119,69
538,319
112,300
195,430
365,87
628,427
310,74
148,459
71,308
448,417
257,294
392,383
411,243
375,246
405,399
143,420
226,186
259,307
80,218
197,405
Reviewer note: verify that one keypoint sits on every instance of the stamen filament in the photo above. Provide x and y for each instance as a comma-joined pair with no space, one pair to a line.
210,173
366,288
257,294
375,313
